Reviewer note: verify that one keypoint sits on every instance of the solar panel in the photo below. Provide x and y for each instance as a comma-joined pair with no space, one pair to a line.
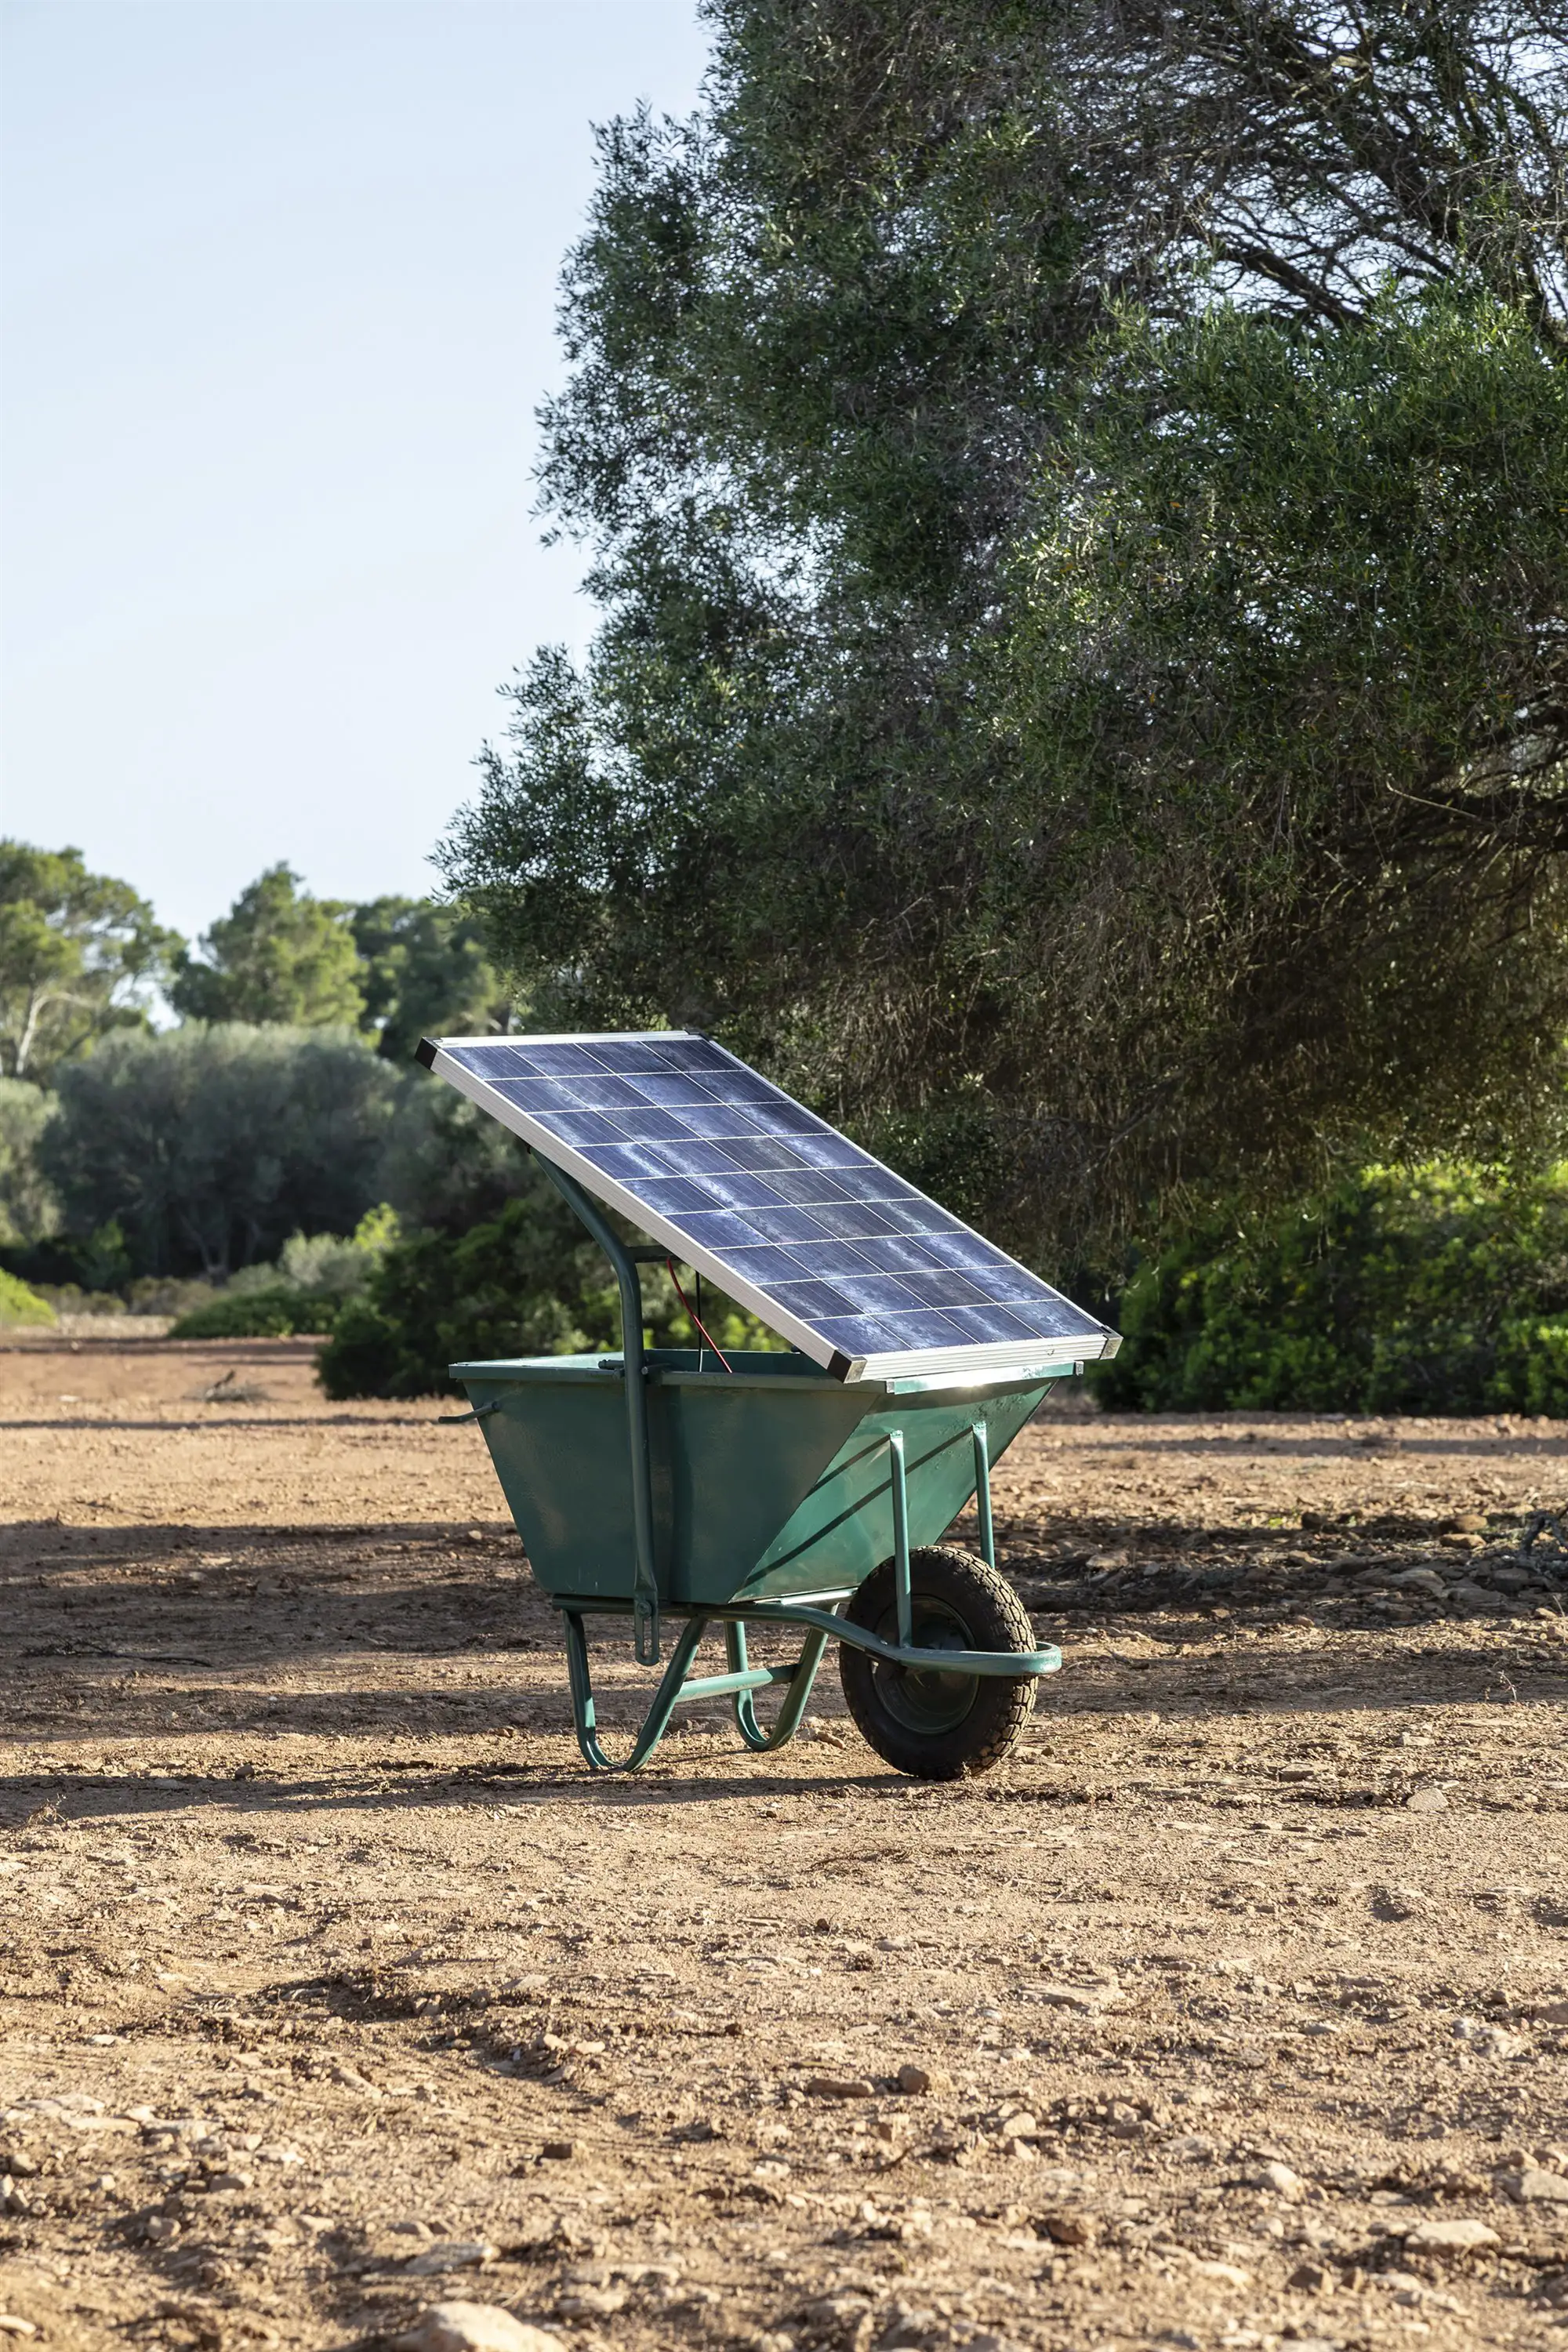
830,1249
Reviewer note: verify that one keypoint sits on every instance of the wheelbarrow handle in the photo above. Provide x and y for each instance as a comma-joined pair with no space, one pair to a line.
456,1420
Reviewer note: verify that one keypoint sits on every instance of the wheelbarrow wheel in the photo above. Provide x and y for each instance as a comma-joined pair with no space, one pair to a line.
936,1725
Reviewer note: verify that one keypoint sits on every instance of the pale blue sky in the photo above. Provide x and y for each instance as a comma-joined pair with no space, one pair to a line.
278,285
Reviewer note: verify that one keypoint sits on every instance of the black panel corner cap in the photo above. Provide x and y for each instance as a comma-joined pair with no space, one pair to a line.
426,1052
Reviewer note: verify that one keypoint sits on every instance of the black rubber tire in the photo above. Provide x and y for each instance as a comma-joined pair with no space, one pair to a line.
939,1727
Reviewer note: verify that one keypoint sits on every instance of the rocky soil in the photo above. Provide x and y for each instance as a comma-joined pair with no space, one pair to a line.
1233,2014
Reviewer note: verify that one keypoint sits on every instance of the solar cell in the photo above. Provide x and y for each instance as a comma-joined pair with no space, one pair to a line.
836,1252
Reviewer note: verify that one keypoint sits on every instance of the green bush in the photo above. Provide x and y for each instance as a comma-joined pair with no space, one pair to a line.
1440,1289
18,1305
526,1283
154,1294
279,1312
306,1291
71,1299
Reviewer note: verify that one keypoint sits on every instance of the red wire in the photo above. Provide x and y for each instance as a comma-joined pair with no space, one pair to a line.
691,1312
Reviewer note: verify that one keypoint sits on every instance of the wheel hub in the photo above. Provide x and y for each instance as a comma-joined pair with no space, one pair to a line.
925,1698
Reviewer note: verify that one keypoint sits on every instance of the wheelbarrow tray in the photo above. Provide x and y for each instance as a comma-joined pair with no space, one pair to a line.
770,1483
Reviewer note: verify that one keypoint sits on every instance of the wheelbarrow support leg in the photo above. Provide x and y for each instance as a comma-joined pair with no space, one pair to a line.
902,1597
982,1494
658,1714
797,1690
645,1573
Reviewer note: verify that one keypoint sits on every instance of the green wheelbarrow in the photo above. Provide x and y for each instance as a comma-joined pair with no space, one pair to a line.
759,1490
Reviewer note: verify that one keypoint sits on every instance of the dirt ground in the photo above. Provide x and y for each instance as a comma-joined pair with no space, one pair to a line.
333,1988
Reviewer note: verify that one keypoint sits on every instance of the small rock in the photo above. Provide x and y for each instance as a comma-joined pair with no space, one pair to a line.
558,2151
453,2254
1192,2148
906,2325
11,2325
1019,2126
1066,2229
1426,1800
591,2302
1088,1999
836,2310
1450,2238
915,2081
1535,2187
1229,2274
840,2086
474,2327
1280,2178
1311,2278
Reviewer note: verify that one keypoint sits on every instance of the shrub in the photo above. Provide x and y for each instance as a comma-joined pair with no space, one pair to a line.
338,1266
72,1298
527,1282
18,1305
167,1295
306,1291
1436,1289
276,1312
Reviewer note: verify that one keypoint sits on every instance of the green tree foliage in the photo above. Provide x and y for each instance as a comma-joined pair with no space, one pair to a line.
278,955
449,1165
424,972
209,1146
1077,499
1290,654
1436,1290
400,968
78,953
27,1207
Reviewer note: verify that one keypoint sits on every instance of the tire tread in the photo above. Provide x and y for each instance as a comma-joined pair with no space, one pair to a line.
1003,1624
